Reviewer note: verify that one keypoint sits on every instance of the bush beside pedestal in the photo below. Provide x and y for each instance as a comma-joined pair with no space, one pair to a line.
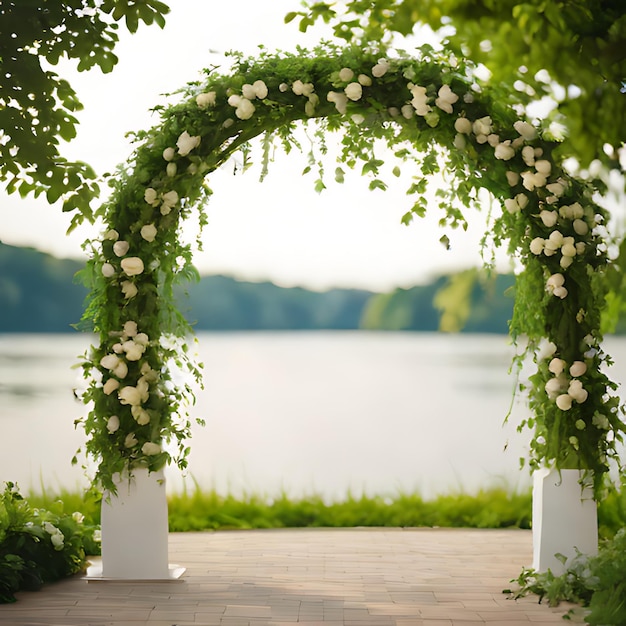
564,518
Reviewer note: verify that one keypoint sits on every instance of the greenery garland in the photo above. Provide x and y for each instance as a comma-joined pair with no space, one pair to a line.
432,114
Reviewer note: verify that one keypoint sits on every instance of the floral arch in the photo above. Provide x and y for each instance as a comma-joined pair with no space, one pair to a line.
430,113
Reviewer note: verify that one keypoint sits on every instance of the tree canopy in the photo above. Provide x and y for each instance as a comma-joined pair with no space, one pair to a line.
573,51
37,106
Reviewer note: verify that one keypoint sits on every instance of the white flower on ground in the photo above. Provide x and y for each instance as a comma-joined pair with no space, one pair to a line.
113,424
132,266
120,248
346,74
108,270
204,100
150,449
354,91
149,232
381,68
169,153
446,98
186,143
578,368
463,125
130,441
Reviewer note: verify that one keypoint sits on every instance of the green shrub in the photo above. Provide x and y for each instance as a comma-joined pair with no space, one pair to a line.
39,546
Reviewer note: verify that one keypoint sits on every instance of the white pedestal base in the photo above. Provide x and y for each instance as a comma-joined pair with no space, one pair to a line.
135,529
564,519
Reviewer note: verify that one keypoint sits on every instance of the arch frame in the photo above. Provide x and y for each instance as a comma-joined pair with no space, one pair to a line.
412,106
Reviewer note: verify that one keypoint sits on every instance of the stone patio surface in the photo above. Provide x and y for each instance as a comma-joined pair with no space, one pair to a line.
356,577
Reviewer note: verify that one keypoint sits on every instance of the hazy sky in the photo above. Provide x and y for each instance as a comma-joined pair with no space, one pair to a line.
279,229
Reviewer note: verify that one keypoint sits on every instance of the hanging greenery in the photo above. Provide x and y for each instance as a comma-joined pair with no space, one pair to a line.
430,114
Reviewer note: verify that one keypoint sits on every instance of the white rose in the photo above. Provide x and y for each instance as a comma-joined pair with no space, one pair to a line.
580,227
556,189
578,368
381,68
260,89
543,167
110,386
248,91
504,151
151,196
169,201
554,387
511,205
354,91
556,366
113,423
245,110
130,328
512,178
120,248
526,130
143,388
365,80
234,100
120,370
142,339
171,169
339,99
130,441
204,100
346,74
186,143
150,449
460,143
129,395
149,232
564,402
110,361
420,99
357,118
446,98
407,111
537,245
108,270
577,392
463,125
531,180
528,154
169,153
549,218
134,351
132,266
566,261
482,126
140,415
112,235
568,250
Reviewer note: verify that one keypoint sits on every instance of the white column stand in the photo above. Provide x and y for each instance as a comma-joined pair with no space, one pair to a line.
135,531
564,518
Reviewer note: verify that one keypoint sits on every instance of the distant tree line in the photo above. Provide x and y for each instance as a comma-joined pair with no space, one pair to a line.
39,293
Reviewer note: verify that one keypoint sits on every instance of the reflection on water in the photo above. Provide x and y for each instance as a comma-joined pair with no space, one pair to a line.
323,412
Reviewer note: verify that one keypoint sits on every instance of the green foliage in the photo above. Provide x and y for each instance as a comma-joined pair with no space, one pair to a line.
597,582
488,508
38,546
37,106
573,52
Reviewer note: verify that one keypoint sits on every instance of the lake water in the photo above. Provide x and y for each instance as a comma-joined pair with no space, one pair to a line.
312,412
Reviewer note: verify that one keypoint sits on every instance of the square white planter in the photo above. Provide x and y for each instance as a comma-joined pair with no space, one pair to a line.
564,518
135,531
